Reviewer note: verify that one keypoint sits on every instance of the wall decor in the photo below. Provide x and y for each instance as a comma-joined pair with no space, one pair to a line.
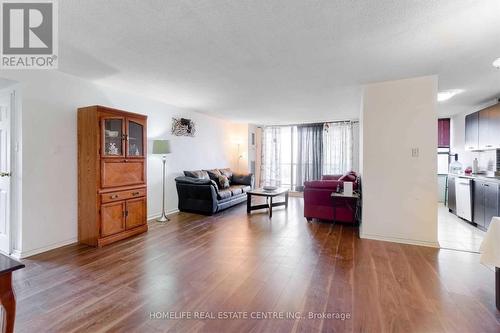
183,127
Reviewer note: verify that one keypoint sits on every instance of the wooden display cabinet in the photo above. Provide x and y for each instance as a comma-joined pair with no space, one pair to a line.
112,193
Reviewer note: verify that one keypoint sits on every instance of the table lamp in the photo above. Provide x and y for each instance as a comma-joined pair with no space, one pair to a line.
162,147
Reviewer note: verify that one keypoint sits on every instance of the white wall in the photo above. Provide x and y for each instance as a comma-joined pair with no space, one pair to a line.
49,152
399,191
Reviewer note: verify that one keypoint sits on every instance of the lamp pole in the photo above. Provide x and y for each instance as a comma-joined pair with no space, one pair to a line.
163,217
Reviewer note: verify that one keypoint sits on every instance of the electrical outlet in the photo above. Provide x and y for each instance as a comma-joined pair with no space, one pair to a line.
414,152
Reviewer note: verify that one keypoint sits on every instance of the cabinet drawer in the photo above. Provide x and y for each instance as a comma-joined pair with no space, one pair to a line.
122,195
122,173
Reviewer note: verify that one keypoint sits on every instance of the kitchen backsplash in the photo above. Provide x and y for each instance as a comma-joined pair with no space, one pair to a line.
488,160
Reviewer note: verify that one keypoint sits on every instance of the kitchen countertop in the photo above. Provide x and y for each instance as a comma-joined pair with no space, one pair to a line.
478,177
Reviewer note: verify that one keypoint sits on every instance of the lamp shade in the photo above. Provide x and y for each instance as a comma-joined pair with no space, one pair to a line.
161,147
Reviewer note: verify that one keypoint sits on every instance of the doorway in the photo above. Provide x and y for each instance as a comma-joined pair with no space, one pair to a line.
6,106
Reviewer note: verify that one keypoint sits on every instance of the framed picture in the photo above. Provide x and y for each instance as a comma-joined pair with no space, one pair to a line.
183,127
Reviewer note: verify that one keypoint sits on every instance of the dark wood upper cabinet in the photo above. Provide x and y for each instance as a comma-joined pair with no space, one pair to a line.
482,129
472,131
494,125
485,137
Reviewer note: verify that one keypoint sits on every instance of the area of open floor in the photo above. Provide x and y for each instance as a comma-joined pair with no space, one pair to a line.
457,234
253,264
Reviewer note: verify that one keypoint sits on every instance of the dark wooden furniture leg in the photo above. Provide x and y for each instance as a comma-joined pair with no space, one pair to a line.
249,202
8,300
497,287
270,206
286,200
334,210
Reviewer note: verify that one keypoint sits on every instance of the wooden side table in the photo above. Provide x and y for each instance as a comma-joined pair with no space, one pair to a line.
7,296
354,199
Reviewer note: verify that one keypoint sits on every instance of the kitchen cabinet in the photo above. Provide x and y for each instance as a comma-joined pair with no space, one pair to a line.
490,203
478,215
485,202
471,131
494,125
452,206
484,135
482,129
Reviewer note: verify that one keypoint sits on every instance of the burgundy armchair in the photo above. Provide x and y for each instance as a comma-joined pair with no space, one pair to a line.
318,201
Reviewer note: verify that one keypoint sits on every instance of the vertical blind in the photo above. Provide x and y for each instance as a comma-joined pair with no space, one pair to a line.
292,155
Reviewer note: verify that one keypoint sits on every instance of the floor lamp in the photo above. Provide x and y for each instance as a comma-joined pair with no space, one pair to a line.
162,147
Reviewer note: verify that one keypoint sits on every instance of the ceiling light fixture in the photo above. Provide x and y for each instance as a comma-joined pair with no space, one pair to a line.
447,94
496,63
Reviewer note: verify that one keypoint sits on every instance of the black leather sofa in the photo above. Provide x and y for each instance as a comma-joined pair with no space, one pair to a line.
198,193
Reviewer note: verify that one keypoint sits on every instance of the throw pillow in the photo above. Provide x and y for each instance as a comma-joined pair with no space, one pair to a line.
214,174
223,182
226,172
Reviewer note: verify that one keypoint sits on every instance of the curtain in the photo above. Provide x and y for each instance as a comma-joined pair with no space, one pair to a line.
271,157
309,154
338,148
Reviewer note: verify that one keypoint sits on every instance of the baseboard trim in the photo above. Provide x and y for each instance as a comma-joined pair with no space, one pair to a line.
399,240
156,215
25,254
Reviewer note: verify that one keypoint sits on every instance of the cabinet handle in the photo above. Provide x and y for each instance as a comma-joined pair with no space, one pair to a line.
489,146
135,193
114,196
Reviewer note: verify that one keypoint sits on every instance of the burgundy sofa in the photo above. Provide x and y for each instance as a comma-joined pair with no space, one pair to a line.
318,202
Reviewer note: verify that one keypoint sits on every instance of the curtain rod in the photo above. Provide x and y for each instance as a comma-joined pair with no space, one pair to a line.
315,123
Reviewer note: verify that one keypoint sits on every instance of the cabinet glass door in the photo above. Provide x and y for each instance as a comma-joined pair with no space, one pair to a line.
113,137
135,139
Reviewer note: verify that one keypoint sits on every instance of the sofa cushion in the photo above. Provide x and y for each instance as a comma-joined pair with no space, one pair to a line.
224,194
327,184
236,190
330,177
199,174
246,188
223,182
242,188
193,181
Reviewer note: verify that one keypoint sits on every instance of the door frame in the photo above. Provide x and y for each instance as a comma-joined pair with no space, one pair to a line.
15,197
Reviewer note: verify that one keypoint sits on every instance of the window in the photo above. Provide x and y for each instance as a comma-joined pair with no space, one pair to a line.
329,152
443,158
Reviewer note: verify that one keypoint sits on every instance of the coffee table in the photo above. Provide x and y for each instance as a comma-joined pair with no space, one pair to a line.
259,192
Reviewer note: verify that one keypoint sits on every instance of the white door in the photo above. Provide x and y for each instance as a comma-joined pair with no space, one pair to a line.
5,112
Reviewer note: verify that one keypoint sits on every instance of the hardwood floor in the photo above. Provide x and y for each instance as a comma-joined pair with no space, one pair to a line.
231,262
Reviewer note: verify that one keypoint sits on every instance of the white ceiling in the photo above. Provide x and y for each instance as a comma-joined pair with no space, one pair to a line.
281,61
